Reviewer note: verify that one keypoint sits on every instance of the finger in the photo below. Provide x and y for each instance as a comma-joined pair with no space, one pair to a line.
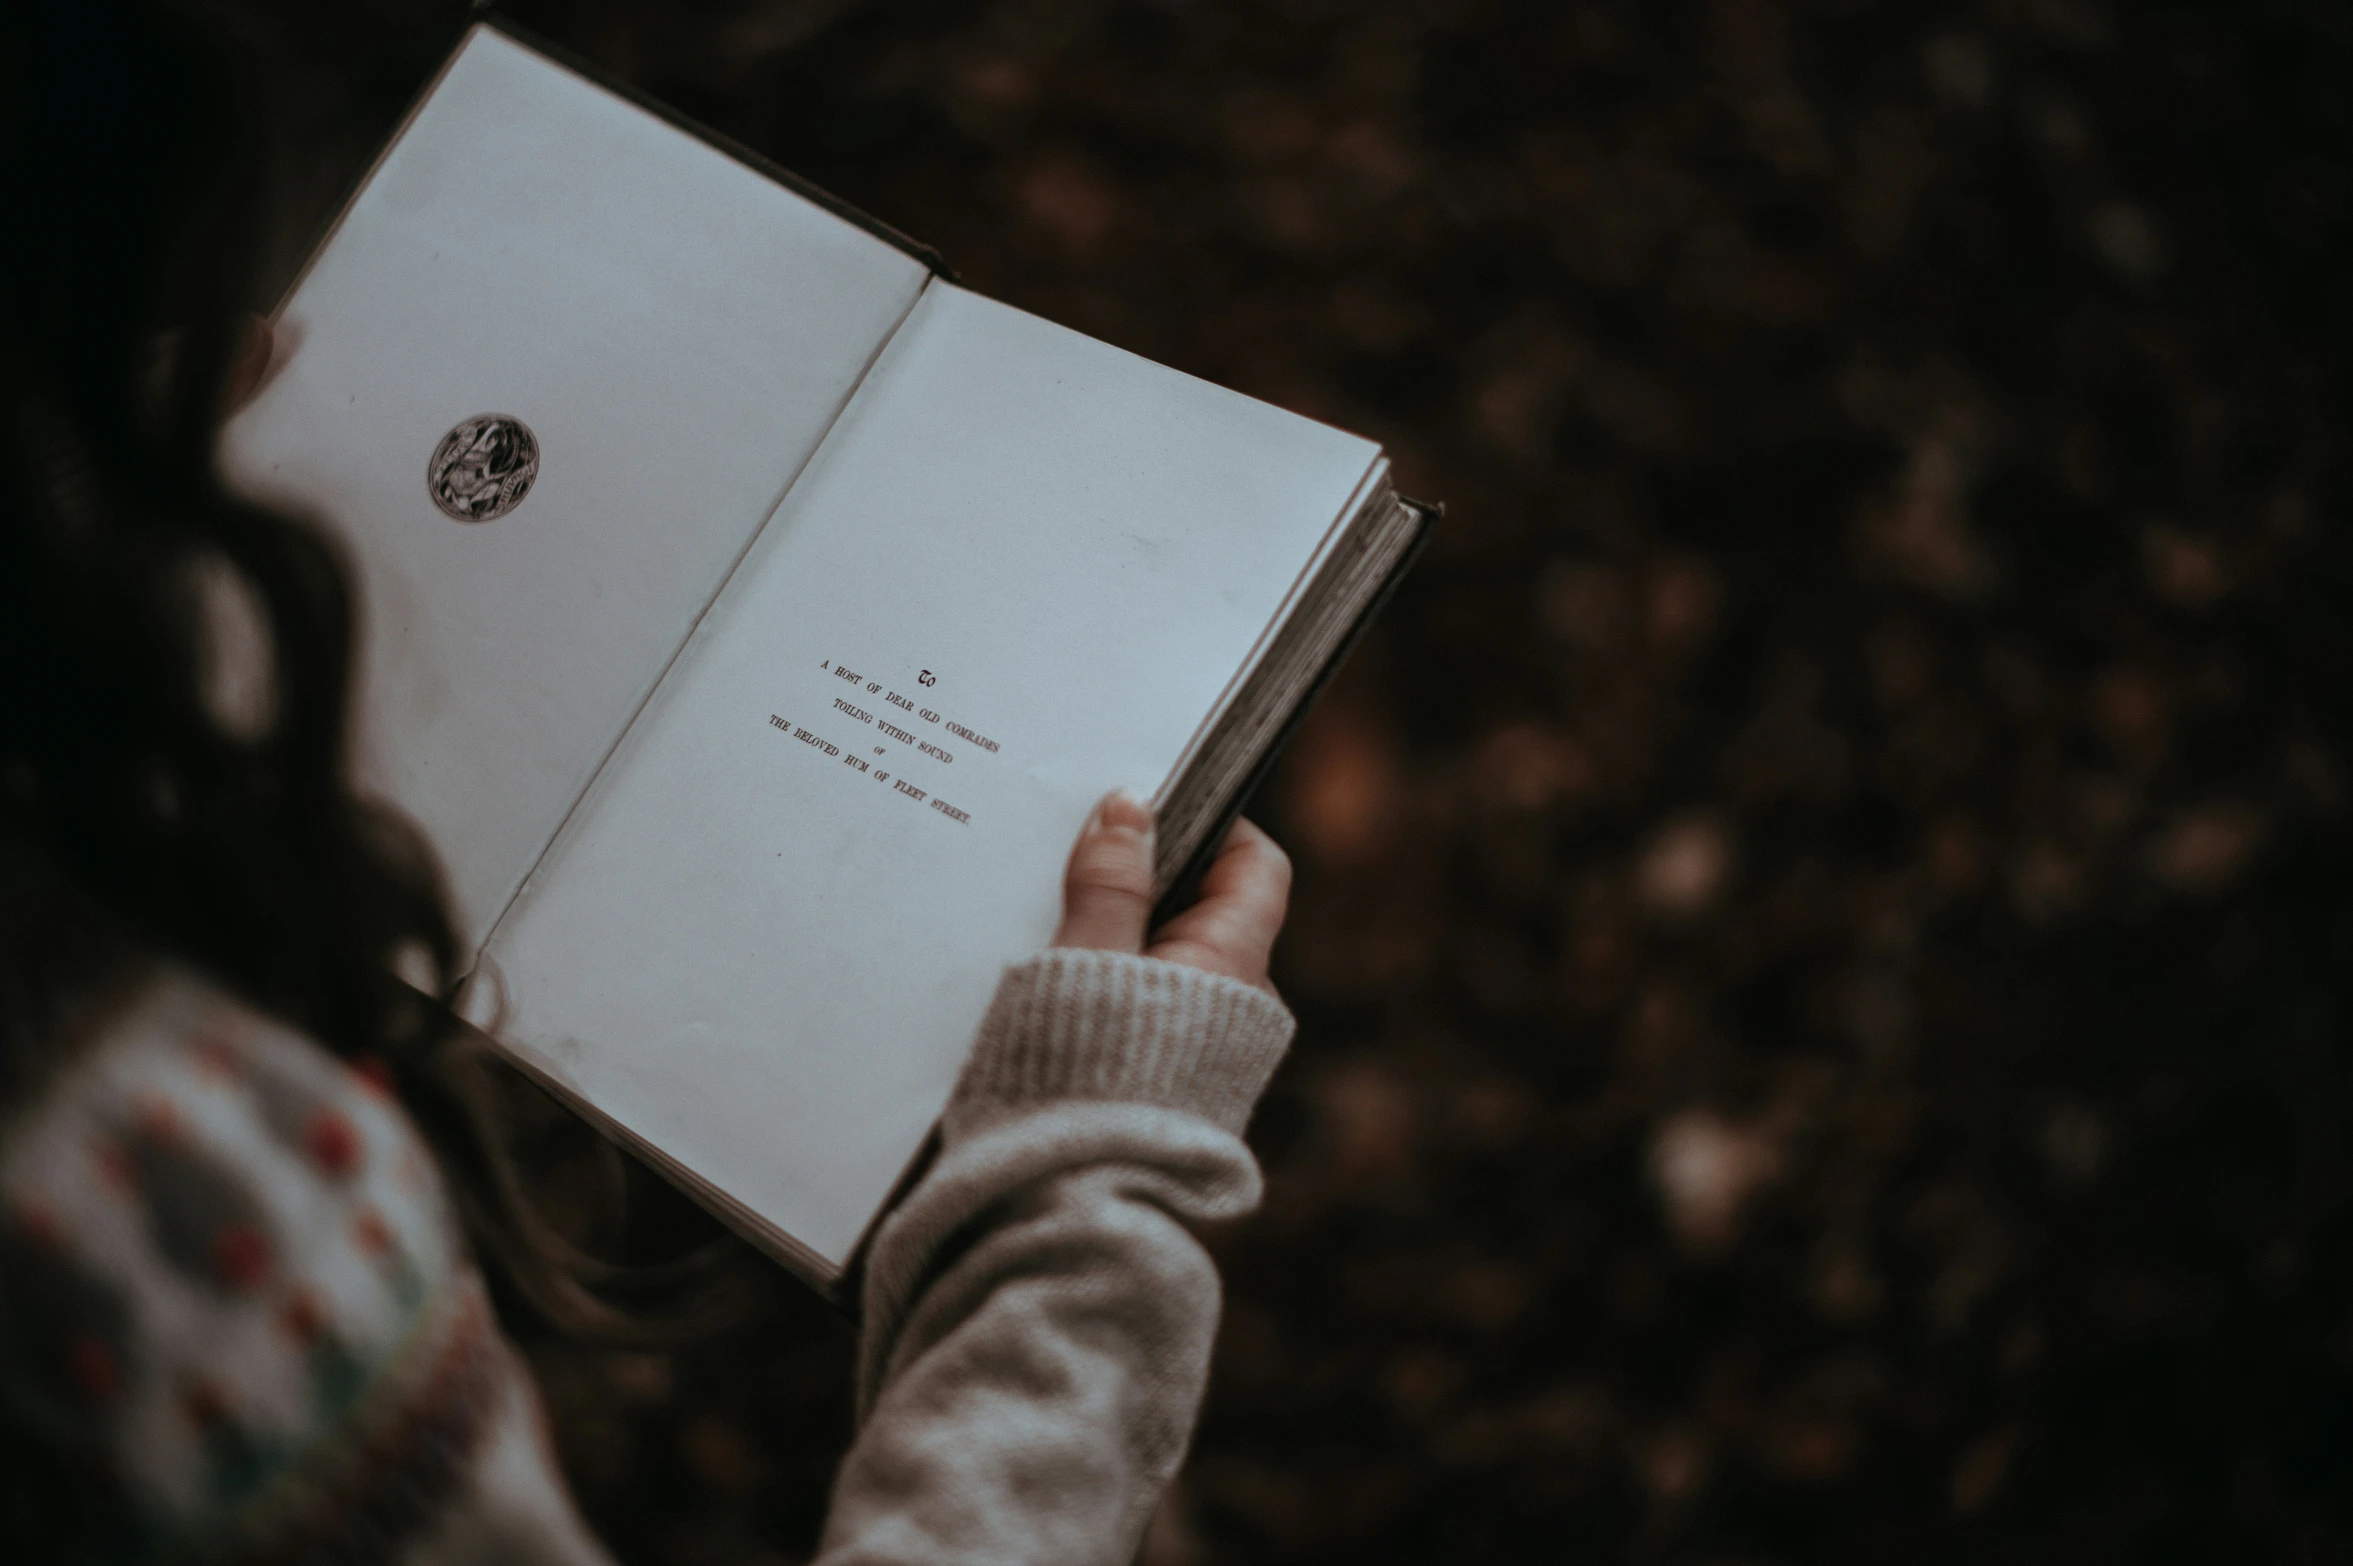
1232,928
251,364
1107,892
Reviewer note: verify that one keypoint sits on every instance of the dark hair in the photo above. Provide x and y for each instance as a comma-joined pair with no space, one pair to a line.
141,811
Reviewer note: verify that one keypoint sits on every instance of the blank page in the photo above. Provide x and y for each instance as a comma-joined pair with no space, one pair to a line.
1025,568
675,330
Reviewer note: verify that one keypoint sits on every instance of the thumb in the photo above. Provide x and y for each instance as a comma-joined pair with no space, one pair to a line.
252,364
1107,892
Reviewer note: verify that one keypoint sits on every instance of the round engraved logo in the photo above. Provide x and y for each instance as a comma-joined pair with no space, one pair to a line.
483,468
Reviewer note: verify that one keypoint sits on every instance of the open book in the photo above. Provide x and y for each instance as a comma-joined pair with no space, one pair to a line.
752,616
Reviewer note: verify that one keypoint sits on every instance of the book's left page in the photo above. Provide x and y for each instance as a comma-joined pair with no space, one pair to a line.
546,379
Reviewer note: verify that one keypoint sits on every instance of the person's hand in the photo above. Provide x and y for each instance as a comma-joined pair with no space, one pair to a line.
252,364
1107,896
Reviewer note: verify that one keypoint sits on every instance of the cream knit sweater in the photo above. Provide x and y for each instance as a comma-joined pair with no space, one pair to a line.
228,1266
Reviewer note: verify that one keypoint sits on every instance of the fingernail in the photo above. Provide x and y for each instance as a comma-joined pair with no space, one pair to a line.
1123,808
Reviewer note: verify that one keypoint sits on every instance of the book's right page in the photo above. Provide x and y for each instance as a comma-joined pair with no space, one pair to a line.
1024,568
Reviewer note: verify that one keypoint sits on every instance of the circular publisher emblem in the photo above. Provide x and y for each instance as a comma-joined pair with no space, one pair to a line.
483,468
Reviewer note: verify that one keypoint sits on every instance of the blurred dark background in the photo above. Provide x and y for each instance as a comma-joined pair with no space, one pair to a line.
1823,922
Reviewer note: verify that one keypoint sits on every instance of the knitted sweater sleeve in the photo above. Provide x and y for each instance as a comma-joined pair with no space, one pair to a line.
1038,1313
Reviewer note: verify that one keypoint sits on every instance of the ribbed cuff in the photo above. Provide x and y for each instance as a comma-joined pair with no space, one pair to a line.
1112,1026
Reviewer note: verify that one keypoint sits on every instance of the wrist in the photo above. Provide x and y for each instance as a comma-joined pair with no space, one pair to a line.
1077,1024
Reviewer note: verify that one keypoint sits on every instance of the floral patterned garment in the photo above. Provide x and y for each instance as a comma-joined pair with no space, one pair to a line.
227,1273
